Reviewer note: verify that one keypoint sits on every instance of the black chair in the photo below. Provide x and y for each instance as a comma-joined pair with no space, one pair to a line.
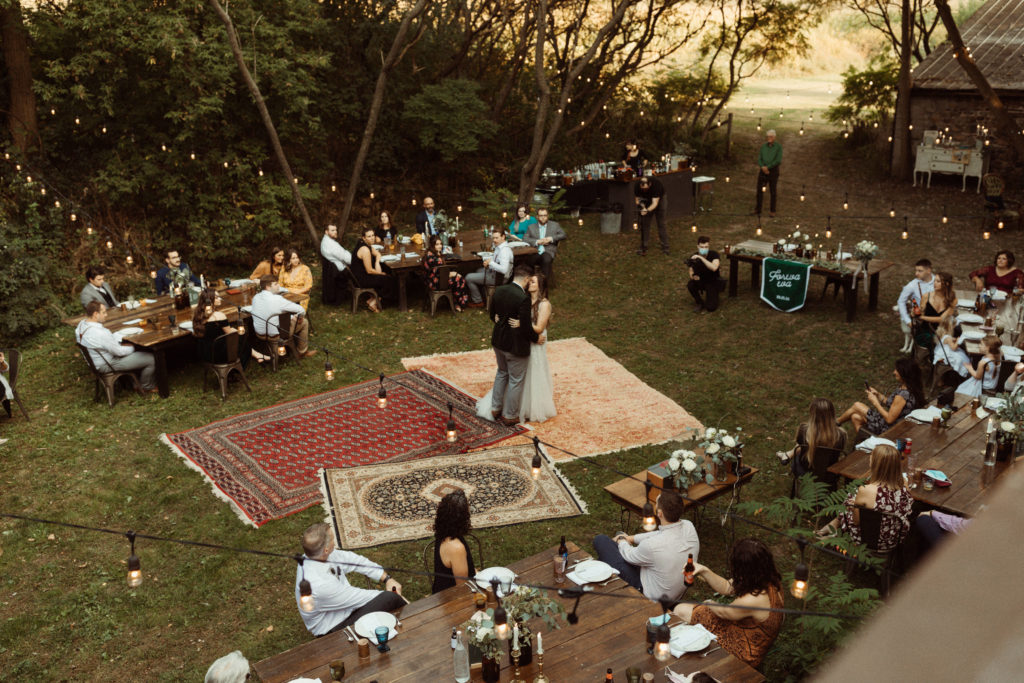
108,379
13,357
268,345
357,291
823,459
870,523
996,209
1003,374
333,283
444,290
428,553
229,343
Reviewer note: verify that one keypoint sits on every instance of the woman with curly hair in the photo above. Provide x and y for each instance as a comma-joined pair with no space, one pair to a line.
744,627
451,554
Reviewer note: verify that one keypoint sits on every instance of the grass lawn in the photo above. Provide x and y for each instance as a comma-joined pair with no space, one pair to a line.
65,610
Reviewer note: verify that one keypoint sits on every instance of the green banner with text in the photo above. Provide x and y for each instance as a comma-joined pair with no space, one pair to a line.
784,284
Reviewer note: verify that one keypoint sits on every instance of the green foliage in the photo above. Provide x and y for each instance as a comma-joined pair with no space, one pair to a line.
450,116
493,202
868,97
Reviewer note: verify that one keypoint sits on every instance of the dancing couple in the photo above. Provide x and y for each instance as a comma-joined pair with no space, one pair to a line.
522,385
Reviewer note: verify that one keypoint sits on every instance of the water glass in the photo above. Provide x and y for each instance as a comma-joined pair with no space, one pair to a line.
382,633
337,669
559,564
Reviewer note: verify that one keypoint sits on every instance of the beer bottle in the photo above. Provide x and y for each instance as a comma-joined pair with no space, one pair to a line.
608,676
562,549
688,571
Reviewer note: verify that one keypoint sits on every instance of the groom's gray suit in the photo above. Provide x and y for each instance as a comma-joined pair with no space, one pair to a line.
511,347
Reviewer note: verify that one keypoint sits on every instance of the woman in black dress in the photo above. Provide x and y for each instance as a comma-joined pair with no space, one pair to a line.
451,554
432,262
370,273
208,323
385,228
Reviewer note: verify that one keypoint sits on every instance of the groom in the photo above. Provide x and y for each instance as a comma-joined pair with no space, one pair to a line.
511,345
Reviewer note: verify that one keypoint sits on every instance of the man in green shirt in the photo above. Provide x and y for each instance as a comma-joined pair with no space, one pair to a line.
768,160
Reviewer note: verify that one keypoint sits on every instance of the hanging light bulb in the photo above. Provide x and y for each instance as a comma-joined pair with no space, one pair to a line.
759,230
282,350
535,464
88,230
56,203
129,260
192,156
759,124
414,201
28,179
134,565
152,275
904,235
945,218
458,208
828,227
800,580
226,165
985,235
726,178
803,192
104,130
801,129
334,188
892,212
328,371
846,201
382,394
650,522
662,652
163,147
261,172
999,225
42,191
371,194
73,217
451,434
693,228
581,222
635,226
110,245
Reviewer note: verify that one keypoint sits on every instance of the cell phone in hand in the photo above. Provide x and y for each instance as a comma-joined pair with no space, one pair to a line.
867,386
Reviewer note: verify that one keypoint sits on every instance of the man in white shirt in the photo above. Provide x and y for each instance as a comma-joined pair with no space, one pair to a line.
912,294
333,251
268,305
495,271
653,562
97,289
108,353
336,602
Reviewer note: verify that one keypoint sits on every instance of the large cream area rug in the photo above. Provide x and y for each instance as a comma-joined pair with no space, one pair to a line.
602,407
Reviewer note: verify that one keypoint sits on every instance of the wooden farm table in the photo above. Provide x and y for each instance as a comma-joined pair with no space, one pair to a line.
1007,313
463,260
611,633
159,336
764,249
957,450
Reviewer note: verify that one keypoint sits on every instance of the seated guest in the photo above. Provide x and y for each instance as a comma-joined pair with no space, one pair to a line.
385,228
97,289
933,526
947,349
425,219
272,266
451,553
106,350
174,274
296,277
521,223
331,249
337,603
1013,383
821,431
231,668
984,377
652,562
370,273
268,305
1001,274
495,271
887,411
744,627
545,235
432,262
208,324
885,491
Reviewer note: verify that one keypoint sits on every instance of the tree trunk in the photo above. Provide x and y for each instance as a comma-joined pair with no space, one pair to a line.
275,142
396,52
1005,123
901,165
21,119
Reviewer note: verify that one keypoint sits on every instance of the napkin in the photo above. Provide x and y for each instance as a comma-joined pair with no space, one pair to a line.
684,634
869,444
390,258
579,581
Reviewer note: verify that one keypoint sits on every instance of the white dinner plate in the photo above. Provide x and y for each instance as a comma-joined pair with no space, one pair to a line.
247,309
518,245
187,325
973,335
485,254
689,638
965,303
129,331
391,258
592,571
150,301
367,624
970,318
994,403
925,415
379,247
504,576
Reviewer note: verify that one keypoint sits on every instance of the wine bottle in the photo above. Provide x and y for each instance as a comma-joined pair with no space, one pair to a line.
562,549
460,660
688,571
455,637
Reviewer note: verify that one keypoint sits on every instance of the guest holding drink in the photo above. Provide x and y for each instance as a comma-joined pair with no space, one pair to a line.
744,627
272,266
937,305
885,411
521,223
820,431
452,557
369,272
432,262
296,277
985,376
1001,274
385,228
910,299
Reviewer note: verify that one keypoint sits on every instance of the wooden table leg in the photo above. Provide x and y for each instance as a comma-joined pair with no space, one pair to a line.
403,304
851,297
734,271
162,384
755,275
873,292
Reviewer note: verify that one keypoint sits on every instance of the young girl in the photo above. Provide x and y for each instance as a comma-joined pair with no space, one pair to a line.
948,351
986,375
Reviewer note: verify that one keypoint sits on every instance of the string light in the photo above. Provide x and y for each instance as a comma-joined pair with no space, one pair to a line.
726,178
500,615
801,129
192,156
905,234
382,394
758,122
261,172
414,201
828,228
129,260
801,575
328,368
985,235
74,218
892,211
693,228
650,523
306,601
945,218
803,192
846,201
451,434
134,565
110,245
334,188
536,462
371,194
581,222
1000,225
282,350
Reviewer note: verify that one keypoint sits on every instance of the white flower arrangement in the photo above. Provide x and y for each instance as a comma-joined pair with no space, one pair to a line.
865,250
720,446
1011,416
683,466
479,630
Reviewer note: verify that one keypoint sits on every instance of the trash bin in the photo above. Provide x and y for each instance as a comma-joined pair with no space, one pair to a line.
611,220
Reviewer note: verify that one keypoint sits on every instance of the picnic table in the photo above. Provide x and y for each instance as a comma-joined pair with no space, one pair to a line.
759,250
160,336
957,450
462,260
611,633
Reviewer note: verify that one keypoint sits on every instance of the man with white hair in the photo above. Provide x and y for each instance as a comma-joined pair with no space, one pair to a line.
231,668
336,602
768,160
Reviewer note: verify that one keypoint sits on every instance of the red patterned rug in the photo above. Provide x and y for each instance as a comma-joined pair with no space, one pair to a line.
264,463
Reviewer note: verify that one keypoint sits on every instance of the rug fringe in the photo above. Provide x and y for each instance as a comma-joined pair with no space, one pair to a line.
447,381
565,481
239,512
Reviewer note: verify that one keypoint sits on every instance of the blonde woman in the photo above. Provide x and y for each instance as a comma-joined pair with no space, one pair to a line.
820,431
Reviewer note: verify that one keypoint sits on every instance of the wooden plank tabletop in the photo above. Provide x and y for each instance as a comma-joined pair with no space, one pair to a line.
630,492
956,449
764,250
611,633
473,241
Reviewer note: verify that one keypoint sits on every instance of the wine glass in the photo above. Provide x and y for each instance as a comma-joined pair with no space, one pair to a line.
172,319
337,667
382,633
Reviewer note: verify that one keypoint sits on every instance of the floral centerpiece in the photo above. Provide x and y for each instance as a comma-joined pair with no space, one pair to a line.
179,277
685,468
1009,416
521,605
446,227
864,251
479,630
722,448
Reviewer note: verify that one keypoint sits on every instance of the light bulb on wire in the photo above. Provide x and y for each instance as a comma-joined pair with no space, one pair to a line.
905,234
801,574
382,394
451,434
134,565
328,368
650,522
803,192
846,201
306,601
945,218
535,464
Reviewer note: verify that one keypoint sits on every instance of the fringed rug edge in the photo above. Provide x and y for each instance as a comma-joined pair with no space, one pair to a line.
217,491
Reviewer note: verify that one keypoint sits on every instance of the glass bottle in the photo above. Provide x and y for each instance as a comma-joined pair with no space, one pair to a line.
460,659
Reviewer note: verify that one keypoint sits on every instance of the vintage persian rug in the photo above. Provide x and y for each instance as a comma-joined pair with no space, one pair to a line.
602,407
265,463
394,502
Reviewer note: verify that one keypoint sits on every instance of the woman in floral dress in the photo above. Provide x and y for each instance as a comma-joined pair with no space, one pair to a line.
432,262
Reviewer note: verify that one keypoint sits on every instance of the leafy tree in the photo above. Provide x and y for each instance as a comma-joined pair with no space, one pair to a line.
868,96
450,117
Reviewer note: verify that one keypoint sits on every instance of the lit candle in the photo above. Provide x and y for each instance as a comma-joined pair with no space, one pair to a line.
540,643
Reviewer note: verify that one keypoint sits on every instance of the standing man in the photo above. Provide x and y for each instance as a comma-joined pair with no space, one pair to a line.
97,288
268,305
336,602
768,160
545,235
174,272
511,345
425,219
911,297
653,562
650,200
108,353
495,271
704,284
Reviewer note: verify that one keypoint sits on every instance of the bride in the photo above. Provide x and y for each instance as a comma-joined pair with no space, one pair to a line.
538,402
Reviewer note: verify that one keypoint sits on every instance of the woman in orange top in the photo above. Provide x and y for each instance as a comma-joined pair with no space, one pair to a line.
296,276
273,266
741,628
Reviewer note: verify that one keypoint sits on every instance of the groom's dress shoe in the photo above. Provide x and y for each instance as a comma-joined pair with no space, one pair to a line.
495,415
508,421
